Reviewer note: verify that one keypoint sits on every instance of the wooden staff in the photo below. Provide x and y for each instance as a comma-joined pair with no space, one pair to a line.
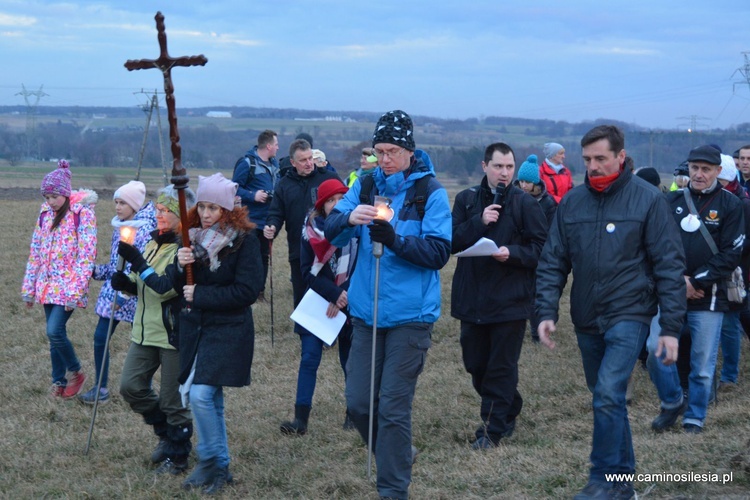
165,63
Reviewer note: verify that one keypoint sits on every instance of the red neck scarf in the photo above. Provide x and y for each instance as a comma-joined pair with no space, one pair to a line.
600,183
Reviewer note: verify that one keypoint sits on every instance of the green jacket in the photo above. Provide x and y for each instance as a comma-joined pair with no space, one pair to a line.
154,323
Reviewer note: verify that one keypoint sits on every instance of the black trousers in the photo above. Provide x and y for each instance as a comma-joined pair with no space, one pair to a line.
490,354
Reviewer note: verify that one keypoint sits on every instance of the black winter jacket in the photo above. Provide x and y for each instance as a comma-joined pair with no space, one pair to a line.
293,197
484,289
625,253
722,214
218,331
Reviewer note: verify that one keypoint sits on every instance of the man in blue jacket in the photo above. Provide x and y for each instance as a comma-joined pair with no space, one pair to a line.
417,244
616,235
256,174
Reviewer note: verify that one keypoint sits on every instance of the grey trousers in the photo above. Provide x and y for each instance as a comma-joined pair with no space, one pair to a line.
136,385
400,356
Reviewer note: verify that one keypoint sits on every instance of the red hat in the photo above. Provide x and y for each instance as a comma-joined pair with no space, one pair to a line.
327,189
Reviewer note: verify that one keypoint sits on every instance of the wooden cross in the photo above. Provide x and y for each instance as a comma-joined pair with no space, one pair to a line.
165,63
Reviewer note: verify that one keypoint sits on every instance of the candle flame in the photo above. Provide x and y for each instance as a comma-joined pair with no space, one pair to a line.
127,234
383,206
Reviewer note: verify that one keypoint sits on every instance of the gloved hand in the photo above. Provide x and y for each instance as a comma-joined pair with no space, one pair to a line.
133,255
120,281
381,231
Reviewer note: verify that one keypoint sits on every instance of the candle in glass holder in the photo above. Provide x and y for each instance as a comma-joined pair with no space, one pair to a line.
383,206
127,234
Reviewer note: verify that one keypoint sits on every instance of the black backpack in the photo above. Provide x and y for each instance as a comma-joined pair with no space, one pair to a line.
420,193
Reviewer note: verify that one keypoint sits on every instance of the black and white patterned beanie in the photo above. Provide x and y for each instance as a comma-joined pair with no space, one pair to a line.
395,127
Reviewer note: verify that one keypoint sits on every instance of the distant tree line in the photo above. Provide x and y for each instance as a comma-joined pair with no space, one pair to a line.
455,146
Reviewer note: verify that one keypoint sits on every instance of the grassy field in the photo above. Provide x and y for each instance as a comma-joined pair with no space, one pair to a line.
42,446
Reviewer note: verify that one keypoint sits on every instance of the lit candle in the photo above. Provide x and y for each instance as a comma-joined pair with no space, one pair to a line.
127,234
383,206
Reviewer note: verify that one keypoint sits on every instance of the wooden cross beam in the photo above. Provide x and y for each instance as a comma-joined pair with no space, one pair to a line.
165,63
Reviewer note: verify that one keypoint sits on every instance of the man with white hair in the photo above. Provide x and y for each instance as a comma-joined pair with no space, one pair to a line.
555,175
712,229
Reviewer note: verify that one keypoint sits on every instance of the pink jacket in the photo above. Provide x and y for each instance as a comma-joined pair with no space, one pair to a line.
61,261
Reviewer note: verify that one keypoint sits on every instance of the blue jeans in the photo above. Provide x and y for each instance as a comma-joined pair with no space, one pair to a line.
608,361
61,351
731,341
100,339
400,355
310,356
207,404
705,331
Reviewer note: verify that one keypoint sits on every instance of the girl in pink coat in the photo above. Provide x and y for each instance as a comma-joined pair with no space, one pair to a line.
61,259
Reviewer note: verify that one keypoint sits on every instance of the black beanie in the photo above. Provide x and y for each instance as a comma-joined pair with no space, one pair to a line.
395,127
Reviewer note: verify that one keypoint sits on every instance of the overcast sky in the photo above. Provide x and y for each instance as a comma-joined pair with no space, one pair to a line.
657,63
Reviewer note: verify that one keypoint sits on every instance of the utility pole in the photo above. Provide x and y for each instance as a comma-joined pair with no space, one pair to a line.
153,103
31,110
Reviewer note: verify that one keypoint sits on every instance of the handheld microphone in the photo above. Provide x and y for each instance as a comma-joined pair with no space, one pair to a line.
499,194
499,198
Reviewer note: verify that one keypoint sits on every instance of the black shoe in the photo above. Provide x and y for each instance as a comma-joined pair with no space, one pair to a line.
692,428
161,452
174,467
348,424
483,443
667,418
202,475
220,478
298,426
606,491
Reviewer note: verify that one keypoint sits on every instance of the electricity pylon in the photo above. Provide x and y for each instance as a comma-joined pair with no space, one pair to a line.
149,110
31,109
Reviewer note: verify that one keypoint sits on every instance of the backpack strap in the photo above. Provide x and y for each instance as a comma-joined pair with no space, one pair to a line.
365,194
420,195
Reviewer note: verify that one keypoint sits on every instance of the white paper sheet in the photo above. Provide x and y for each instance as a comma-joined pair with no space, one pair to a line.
311,314
481,248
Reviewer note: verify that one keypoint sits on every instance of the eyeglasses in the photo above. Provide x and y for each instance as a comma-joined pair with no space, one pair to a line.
392,154
165,211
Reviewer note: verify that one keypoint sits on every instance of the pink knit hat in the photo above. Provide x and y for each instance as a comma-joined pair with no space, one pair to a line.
216,189
133,193
57,182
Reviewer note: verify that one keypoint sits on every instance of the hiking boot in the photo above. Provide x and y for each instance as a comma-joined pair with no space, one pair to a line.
692,428
161,452
220,478
667,418
57,390
174,467
298,426
75,385
202,475
90,397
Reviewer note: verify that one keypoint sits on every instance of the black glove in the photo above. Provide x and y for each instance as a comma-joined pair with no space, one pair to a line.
133,255
381,231
120,282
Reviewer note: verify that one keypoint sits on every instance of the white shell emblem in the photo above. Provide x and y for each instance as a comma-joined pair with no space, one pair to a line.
690,224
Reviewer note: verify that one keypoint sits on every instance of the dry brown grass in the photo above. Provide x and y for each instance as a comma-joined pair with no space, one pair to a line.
42,444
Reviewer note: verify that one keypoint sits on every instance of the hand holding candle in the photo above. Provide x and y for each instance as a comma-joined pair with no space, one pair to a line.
127,235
